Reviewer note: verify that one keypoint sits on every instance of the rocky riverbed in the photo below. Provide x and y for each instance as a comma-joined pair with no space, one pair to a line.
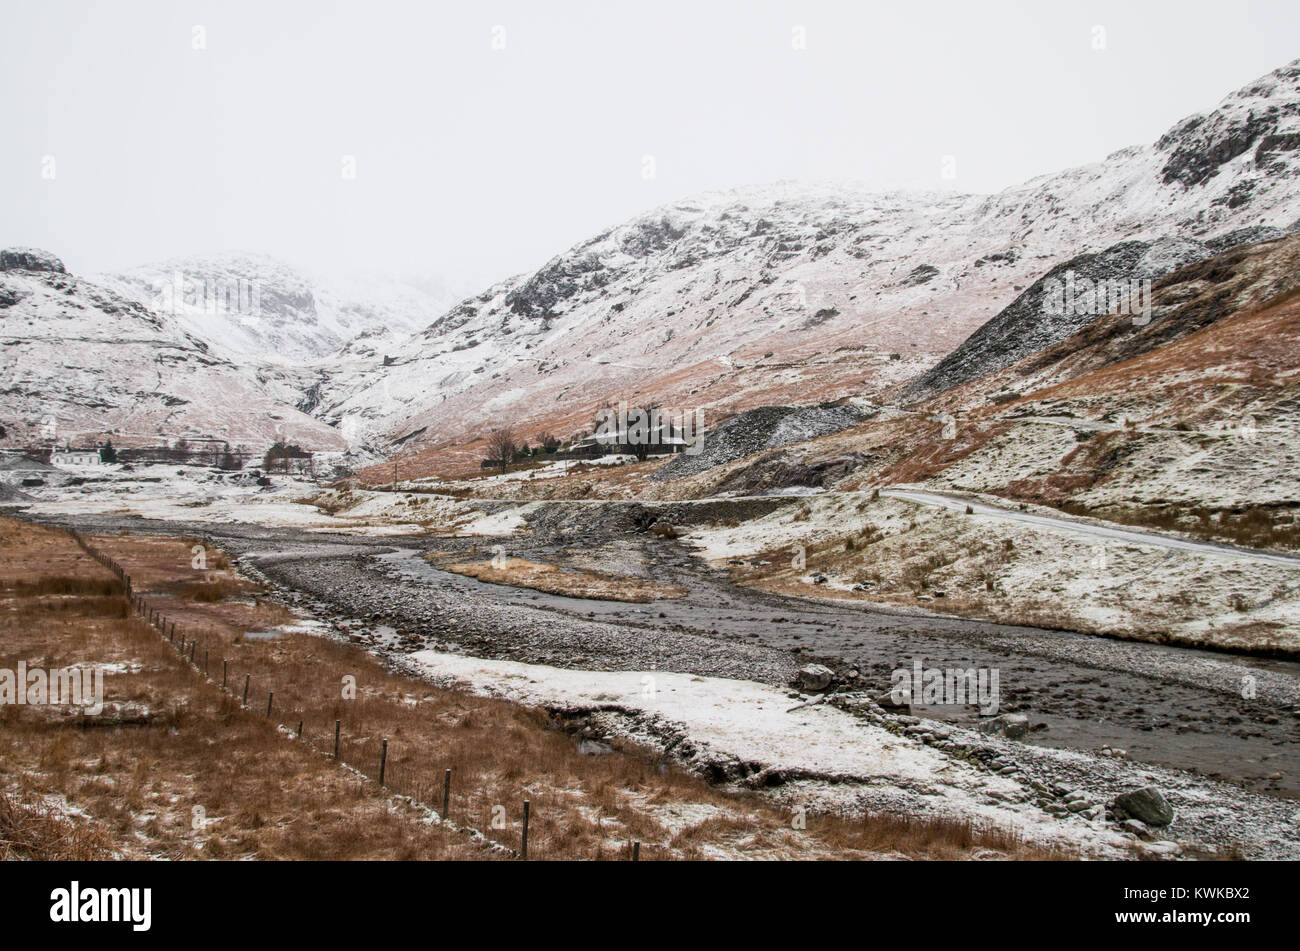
1101,717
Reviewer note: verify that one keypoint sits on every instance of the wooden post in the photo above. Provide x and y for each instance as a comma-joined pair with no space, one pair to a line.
244,702
446,794
269,697
173,636
193,645
523,847
636,851
224,665
383,762
336,738
205,662
300,729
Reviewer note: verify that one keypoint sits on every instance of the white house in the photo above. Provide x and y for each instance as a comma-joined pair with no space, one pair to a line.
75,457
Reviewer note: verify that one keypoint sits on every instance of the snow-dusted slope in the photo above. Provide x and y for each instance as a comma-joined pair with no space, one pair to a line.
802,293
81,363
254,306
785,294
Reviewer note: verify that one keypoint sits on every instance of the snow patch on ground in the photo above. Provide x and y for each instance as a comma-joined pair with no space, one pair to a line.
755,722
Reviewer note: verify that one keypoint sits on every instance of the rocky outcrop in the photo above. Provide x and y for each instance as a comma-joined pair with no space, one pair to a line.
1207,145
920,274
1264,116
30,259
8,296
558,281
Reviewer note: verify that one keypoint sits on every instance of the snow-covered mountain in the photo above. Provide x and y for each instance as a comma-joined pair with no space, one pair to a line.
255,306
795,294
784,294
80,363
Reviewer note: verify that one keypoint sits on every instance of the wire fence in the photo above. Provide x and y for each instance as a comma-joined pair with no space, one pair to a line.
473,812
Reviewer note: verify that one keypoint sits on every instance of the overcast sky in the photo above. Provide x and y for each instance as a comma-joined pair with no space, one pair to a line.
489,136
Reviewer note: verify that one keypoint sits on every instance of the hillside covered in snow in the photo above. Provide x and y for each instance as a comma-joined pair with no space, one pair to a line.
799,294
81,363
254,306
788,294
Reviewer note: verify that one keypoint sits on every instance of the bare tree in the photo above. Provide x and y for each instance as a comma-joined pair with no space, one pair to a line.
648,431
501,447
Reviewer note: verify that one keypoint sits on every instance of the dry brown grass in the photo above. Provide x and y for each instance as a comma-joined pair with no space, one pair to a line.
34,829
201,776
552,579
141,779
1263,527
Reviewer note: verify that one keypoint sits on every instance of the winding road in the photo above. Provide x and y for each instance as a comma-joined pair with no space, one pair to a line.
1079,526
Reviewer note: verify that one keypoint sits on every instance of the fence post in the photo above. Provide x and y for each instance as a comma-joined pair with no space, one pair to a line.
193,645
205,662
446,794
269,696
300,729
636,851
336,738
523,848
224,664
244,702
383,762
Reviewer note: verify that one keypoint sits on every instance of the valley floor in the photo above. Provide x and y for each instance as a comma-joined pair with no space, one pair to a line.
1108,715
